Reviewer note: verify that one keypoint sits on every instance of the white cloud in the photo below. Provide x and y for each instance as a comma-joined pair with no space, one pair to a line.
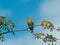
51,11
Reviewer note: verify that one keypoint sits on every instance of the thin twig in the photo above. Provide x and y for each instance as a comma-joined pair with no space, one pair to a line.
15,31
37,25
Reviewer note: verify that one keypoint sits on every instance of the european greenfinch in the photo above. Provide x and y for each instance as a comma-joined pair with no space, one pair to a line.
44,23
30,24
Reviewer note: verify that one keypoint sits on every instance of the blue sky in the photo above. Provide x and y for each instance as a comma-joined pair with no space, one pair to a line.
19,10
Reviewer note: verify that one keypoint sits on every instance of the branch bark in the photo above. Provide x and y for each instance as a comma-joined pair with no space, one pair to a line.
14,31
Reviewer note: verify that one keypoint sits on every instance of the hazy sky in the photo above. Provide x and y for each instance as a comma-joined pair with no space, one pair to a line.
19,10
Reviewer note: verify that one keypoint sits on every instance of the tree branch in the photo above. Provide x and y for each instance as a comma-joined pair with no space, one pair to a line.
19,30
14,31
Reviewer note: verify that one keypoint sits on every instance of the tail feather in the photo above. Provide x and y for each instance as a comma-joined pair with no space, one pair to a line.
31,29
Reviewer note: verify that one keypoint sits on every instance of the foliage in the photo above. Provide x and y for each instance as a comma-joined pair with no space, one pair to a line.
38,35
49,38
5,24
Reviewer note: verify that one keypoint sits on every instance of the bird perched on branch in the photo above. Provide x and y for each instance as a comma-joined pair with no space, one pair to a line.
47,25
30,24
44,24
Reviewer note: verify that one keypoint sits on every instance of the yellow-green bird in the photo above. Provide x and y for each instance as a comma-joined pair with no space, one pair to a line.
30,24
49,25
44,24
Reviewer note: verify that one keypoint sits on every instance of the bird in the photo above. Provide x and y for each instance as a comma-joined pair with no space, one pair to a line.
30,24
49,25
44,24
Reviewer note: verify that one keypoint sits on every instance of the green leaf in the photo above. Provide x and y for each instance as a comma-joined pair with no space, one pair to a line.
39,34
1,38
45,40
